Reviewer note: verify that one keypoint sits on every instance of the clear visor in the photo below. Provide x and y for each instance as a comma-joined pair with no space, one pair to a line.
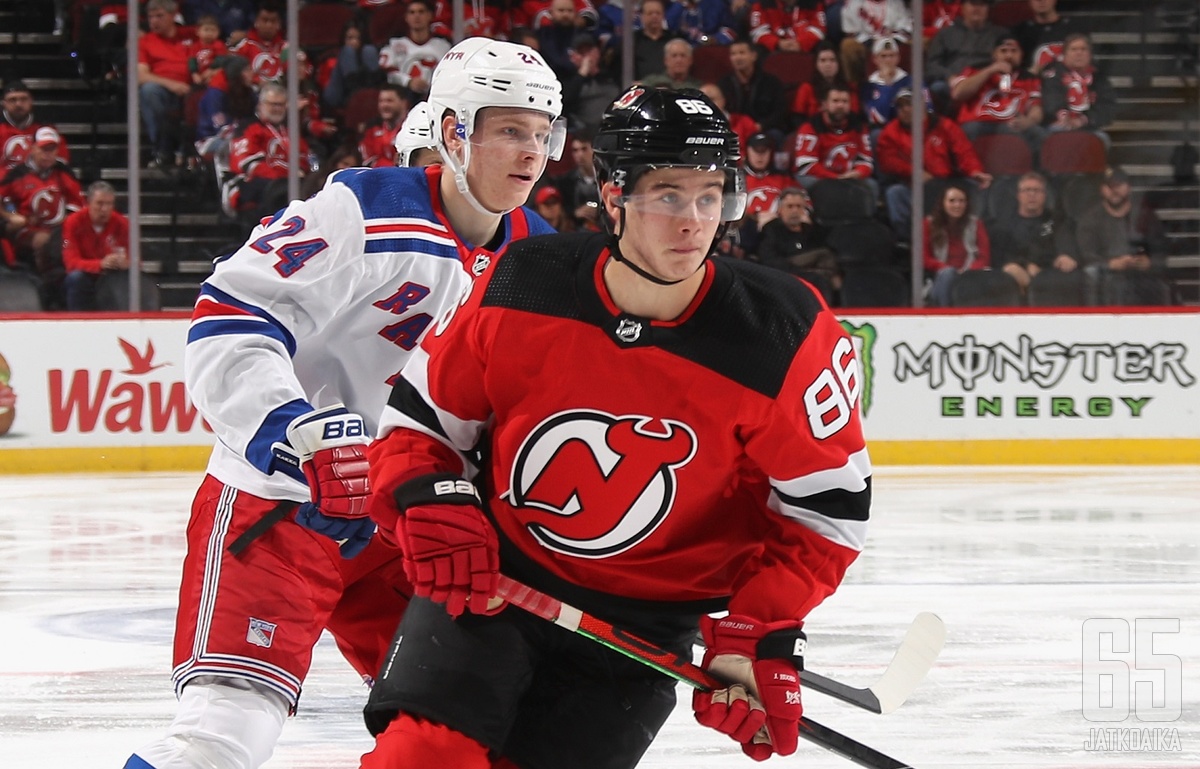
704,206
514,138
704,203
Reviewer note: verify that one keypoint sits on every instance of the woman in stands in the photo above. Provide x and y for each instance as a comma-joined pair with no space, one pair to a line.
955,241
826,72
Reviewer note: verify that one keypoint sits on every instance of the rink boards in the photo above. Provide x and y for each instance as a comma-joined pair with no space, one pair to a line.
106,392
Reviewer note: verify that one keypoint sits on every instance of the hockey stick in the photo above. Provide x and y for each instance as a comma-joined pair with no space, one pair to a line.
912,661
568,617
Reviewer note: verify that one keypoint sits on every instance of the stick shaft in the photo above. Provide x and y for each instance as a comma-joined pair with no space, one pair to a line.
670,664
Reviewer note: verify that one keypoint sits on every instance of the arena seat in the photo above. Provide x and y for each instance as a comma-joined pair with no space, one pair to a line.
1132,288
112,293
791,67
321,24
361,107
387,21
1004,154
841,200
1051,288
862,242
985,288
1073,152
18,293
873,285
710,63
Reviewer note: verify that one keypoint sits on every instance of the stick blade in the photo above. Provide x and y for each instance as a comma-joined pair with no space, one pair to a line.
921,646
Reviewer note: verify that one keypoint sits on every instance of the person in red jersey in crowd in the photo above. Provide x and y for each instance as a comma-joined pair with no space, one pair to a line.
378,144
95,241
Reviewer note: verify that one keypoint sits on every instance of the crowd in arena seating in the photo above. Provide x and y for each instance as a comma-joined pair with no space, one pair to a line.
1013,112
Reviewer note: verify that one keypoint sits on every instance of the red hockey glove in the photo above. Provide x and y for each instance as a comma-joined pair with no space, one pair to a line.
329,446
761,707
451,554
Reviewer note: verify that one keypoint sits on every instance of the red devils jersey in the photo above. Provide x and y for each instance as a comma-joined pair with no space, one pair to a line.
15,142
260,151
996,104
771,22
378,145
265,56
828,151
762,191
44,199
713,460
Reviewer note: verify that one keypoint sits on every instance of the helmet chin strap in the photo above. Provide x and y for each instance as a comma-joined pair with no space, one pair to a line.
460,177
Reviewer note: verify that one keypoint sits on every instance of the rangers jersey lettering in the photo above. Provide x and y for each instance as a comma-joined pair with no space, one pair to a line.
323,304
610,438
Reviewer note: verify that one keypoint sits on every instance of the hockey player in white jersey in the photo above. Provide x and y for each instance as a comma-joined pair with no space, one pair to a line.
415,145
293,346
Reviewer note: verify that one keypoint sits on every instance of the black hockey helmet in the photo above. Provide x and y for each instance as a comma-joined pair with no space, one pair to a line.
647,128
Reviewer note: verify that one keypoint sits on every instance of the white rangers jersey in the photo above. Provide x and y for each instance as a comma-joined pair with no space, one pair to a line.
404,60
323,304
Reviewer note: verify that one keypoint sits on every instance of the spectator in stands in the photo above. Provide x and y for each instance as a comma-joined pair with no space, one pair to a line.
1001,97
342,157
357,65
377,147
259,157
888,79
967,42
703,22
742,125
787,25
206,51
936,15
1033,238
1041,38
36,198
409,60
793,242
865,20
556,40
827,72
580,194
588,94
228,100
18,127
764,185
955,241
1075,95
1117,236
95,240
834,145
677,67
751,91
264,46
649,41
947,156
163,81
233,16
548,202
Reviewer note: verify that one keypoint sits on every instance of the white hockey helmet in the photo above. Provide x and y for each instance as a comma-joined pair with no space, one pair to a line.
478,73
415,133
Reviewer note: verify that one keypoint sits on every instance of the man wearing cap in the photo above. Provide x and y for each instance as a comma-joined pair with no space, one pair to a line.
592,89
547,201
37,197
17,127
948,155
888,79
1001,97
764,184
968,42
1116,236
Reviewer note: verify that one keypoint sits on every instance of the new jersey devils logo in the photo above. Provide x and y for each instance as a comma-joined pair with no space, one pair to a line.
16,149
591,484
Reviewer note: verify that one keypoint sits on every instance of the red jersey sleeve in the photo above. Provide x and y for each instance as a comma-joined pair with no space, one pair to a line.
811,447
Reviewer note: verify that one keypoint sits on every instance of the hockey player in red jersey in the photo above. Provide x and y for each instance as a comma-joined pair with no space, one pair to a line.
293,345
662,434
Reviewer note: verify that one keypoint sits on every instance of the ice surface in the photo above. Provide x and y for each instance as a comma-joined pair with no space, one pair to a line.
1013,559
